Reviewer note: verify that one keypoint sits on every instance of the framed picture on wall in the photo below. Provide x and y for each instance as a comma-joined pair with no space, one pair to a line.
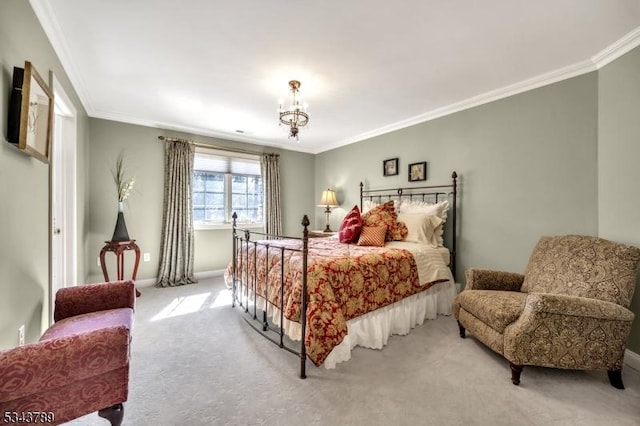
417,171
30,113
390,167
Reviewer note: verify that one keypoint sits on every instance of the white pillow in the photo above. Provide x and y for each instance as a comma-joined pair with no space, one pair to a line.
423,228
368,205
439,209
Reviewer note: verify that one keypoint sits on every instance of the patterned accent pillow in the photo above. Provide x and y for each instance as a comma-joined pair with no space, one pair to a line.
372,236
351,226
382,215
369,204
400,231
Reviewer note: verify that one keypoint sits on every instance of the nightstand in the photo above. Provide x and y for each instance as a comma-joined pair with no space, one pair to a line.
320,234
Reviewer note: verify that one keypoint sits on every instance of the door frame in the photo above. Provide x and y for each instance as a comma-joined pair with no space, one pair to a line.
63,194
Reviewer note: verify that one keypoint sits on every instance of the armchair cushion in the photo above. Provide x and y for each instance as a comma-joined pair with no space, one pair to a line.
487,279
495,308
583,266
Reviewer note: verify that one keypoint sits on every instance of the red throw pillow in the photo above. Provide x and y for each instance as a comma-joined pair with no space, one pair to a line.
351,226
382,215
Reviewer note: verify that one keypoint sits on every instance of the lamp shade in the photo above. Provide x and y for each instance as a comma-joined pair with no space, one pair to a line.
329,198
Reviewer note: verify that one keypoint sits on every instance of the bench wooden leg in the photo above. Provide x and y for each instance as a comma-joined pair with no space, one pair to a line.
114,414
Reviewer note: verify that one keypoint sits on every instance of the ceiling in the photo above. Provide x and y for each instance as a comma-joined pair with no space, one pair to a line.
367,67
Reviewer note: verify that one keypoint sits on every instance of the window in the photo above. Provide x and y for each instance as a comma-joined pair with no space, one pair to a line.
224,183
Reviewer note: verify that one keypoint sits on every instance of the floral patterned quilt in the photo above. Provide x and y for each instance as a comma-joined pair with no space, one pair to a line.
344,281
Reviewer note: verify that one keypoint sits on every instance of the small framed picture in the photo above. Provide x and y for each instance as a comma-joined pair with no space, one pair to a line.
417,171
390,167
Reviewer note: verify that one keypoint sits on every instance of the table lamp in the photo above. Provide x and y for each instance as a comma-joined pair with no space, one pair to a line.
328,201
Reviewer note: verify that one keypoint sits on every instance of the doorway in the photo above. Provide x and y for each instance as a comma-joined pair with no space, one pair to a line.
63,178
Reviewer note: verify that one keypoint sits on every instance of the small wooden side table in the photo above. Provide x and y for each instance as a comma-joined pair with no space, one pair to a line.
119,247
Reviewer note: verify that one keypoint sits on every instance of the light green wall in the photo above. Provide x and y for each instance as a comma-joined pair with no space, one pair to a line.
618,153
144,159
557,159
527,167
24,209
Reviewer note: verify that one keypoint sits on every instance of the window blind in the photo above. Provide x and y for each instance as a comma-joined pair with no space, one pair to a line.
219,161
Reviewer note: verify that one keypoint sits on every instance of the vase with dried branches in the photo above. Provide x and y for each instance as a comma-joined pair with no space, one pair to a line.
124,187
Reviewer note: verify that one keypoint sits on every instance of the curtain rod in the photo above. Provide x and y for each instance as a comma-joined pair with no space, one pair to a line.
204,145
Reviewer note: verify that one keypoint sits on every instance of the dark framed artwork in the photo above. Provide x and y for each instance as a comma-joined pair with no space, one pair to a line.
390,167
417,171
30,113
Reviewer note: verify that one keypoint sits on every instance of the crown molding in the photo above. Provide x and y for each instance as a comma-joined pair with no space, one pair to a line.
612,52
53,31
484,98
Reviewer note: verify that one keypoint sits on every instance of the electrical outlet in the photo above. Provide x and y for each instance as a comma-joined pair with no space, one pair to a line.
21,335
147,257
97,261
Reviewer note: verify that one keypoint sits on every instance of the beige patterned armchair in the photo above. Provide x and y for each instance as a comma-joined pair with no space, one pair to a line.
569,310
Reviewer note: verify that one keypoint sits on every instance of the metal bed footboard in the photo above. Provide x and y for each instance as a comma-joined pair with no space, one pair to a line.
244,288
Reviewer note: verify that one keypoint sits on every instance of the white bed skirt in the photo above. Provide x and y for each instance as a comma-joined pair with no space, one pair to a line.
373,329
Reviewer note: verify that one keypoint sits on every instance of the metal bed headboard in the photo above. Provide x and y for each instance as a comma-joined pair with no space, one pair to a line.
422,193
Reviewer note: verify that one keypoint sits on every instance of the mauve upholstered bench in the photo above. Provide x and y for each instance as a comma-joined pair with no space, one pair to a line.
79,365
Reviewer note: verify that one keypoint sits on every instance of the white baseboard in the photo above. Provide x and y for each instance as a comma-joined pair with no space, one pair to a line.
209,274
150,282
632,359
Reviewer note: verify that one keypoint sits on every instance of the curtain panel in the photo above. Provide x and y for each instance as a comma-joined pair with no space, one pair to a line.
176,251
271,186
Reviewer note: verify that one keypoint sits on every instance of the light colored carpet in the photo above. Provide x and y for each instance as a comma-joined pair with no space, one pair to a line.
196,362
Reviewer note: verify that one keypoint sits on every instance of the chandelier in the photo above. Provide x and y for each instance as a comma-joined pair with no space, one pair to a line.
295,116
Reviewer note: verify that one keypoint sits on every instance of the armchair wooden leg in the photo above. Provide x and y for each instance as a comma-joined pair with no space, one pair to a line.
462,330
516,370
615,378
114,414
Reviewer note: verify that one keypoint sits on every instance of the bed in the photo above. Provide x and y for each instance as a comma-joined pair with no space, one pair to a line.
334,293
